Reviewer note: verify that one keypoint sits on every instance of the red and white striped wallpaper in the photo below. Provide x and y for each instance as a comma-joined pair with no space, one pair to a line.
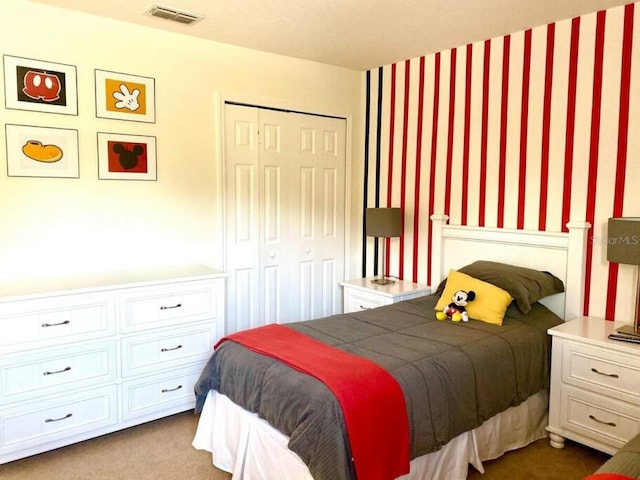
526,131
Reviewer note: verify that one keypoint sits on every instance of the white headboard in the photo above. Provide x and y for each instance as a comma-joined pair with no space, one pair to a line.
562,254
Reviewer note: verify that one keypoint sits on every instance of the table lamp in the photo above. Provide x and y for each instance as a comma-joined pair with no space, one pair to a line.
383,222
623,246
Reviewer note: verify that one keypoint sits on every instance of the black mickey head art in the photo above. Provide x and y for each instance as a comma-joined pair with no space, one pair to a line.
128,159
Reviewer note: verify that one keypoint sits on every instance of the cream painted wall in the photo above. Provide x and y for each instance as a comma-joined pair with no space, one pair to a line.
52,226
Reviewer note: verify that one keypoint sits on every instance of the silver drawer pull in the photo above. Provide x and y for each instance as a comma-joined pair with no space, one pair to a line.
57,371
365,308
612,375
49,420
66,322
167,390
611,424
170,349
177,305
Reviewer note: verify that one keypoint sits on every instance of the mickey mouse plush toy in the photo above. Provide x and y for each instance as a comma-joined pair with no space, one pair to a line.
456,309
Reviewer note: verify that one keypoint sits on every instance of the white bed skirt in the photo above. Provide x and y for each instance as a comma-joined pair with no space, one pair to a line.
251,449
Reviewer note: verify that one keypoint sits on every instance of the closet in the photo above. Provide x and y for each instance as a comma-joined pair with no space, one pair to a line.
284,175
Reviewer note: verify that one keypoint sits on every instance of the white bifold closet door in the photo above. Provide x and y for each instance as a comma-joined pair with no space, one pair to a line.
284,203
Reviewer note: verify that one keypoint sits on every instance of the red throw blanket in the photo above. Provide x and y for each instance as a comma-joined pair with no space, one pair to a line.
371,399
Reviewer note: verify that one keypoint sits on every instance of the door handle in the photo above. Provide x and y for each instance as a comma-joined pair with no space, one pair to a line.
45,325
177,305
167,390
595,419
67,369
49,420
170,349
612,375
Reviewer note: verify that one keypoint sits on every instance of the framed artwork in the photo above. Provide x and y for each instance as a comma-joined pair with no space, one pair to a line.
126,157
125,97
40,86
41,152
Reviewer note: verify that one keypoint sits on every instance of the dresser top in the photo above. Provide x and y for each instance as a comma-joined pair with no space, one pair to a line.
82,282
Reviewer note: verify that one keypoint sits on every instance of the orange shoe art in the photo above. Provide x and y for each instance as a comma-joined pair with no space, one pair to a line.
42,153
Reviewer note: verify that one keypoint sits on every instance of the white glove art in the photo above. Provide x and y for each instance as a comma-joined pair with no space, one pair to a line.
127,99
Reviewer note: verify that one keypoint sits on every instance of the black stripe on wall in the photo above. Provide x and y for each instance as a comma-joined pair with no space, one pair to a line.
378,163
367,127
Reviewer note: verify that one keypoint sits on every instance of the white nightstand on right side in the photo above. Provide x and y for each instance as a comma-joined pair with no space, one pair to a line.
595,386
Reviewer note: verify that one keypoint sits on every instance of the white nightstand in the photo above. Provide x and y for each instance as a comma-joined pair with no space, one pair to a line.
595,386
362,293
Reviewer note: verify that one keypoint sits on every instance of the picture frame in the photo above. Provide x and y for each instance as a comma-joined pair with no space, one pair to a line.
126,157
34,151
121,96
40,86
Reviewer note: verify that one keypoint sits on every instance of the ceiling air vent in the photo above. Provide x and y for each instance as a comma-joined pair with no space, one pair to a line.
175,15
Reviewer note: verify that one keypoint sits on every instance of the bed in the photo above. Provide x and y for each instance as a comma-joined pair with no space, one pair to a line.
473,410
624,465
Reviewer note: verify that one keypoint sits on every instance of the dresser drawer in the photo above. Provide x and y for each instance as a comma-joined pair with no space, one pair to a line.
28,425
172,390
52,370
26,324
357,300
167,349
598,417
607,372
171,305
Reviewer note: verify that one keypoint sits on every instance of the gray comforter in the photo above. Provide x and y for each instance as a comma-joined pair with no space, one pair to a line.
454,377
626,461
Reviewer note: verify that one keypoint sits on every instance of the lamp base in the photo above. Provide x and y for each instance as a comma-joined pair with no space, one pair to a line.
383,281
628,330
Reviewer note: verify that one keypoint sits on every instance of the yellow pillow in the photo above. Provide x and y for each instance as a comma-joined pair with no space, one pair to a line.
489,305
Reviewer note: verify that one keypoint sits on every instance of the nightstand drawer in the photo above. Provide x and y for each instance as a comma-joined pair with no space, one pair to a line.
607,372
167,349
602,419
169,305
29,425
53,370
356,301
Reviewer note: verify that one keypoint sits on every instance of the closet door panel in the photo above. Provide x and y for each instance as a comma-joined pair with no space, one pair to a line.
321,214
241,215
275,222
288,204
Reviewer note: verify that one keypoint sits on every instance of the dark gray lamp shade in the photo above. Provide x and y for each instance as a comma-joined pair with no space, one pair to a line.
383,222
623,240
623,246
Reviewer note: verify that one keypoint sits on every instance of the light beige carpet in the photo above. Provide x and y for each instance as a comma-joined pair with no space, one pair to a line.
161,450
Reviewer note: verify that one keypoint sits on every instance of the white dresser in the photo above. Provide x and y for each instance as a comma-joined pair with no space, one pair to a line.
85,356
595,386
362,293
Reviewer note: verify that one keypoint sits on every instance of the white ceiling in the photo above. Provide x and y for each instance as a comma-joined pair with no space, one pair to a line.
356,34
